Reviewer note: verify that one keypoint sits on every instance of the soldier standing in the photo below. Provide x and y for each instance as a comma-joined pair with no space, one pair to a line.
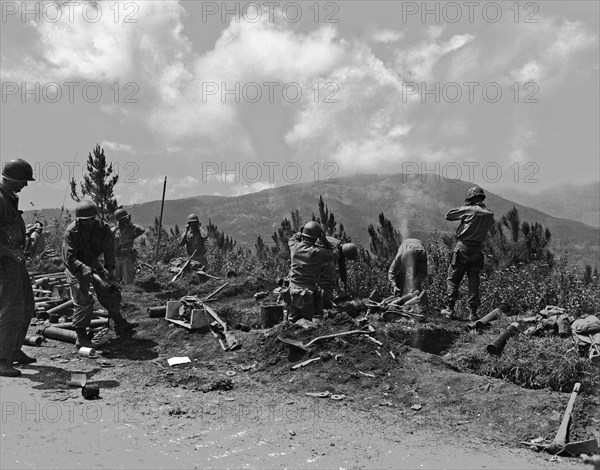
124,234
467,257
86,239
16,296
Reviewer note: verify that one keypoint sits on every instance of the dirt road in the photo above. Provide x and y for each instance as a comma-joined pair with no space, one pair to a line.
137,425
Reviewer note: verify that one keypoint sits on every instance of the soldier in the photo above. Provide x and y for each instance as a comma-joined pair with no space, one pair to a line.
332,271
35,239
86,239
194,238
411,254
307,260
16,297
124,234
475,221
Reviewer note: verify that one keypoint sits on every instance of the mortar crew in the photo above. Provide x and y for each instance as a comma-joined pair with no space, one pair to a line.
330,272
307,260
194,239
35,239
16,296
411,254
86,239
124,233
467,257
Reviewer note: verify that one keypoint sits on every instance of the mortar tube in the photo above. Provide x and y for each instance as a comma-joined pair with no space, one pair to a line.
490,317
40,281
59,273
34,340
156,312
62,307
60,334
405,298
102,314
93,324
497,346
50,303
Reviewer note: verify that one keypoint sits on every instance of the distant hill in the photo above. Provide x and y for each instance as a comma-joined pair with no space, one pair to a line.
416,206
569,201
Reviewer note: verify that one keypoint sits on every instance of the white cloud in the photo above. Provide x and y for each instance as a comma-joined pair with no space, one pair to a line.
116,146
365,128
387,36
245,53
531,71
251,188
107,50
417,62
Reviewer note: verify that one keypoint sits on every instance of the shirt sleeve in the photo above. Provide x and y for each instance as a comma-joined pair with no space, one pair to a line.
394,268
108,247
456,214
138,230
297,237
326,255
69,252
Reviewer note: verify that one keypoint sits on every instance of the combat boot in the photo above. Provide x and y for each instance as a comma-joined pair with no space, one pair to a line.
7,370
21,358
122,326
83,340
473,314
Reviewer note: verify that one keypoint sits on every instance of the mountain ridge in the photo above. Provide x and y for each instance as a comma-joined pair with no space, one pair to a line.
415,204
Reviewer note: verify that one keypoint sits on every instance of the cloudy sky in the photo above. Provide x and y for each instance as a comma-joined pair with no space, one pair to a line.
232,98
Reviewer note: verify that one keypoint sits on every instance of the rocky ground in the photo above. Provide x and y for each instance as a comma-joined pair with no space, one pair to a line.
401,401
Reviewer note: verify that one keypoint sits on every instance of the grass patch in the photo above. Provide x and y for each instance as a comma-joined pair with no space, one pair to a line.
533,363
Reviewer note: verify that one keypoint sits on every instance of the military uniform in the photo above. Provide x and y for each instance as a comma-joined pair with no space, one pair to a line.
411,254
124,235
328,277
194,241
467,257
16,296
307,260
84,247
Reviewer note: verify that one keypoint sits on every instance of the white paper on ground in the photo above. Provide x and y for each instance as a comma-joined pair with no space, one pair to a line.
178,360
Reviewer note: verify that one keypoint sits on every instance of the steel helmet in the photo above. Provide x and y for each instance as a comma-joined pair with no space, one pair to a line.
86,210
349,250
474,192
193,218
18,170
120,214
312,230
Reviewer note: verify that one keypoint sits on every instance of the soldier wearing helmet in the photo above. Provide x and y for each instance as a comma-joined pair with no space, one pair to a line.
194,239
411,254
307,260
331,272
475,221
124,233
86,240
35,239
16,296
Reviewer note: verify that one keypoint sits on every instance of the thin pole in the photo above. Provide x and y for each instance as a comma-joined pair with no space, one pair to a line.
162,206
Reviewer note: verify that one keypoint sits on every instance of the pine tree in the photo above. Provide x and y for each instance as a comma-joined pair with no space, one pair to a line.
385,241
98,183
330,226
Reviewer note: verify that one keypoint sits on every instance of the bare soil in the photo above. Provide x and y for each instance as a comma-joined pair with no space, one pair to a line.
247,408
